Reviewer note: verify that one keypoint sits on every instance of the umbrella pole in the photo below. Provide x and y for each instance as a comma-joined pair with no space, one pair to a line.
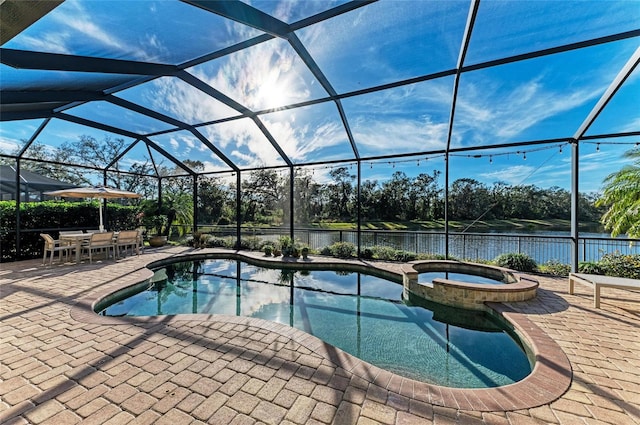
101,225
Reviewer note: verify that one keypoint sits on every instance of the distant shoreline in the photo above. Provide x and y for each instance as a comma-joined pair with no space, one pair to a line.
469,226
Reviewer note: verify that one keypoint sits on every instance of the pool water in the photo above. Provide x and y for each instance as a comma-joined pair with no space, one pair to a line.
361,314
460,277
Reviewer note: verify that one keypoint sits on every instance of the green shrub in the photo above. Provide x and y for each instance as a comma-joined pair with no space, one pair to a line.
425,256
326,251
516,261
268,250
404,256
384,253
51,216
255,243
197,240
591,267
250,243
343,250
366,254
621,265
555,268
217,242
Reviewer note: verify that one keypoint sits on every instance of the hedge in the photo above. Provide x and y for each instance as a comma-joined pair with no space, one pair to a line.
51,217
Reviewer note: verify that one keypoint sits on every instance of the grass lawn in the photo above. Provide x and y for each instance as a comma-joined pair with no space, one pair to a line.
553,224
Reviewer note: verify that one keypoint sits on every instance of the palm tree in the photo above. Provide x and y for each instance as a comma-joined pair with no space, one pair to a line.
622,197
176,209
179,211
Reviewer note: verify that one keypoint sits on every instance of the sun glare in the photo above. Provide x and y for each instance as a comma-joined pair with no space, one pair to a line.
274,92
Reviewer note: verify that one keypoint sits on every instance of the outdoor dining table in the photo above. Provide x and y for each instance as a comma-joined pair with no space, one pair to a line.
77,239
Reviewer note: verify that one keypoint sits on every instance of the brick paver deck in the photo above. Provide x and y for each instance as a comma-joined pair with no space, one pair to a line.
62,364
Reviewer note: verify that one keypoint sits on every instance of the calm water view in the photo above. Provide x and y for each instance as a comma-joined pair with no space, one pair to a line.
542,246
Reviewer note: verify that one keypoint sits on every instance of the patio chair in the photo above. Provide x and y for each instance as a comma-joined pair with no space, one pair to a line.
127,239
67,232
99,242
51,246
140,241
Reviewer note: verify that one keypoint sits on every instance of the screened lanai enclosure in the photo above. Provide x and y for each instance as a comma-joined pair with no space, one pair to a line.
294,113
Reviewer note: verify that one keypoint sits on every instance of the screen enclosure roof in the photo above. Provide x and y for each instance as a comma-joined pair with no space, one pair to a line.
243,85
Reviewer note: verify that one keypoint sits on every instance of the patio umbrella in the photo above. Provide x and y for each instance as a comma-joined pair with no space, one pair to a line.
100,192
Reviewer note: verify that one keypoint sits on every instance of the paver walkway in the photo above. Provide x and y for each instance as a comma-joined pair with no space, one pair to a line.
59,366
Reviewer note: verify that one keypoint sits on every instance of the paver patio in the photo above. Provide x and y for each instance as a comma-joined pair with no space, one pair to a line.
60,363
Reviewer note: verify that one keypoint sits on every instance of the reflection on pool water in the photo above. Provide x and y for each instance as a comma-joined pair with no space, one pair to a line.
461,277
361,314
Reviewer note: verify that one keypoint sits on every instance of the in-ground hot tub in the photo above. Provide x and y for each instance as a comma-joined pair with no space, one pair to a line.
484,283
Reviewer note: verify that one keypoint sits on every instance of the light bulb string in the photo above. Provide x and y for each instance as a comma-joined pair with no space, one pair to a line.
422,159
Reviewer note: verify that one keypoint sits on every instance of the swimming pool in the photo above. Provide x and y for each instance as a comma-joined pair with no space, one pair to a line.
362,314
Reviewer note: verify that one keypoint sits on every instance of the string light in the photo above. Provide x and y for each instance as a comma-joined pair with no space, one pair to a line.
509,153
418,161
609,143
524,153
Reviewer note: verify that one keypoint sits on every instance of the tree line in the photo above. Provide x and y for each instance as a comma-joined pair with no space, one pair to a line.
265,193
265,199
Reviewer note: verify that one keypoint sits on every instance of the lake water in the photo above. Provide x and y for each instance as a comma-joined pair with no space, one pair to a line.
542,246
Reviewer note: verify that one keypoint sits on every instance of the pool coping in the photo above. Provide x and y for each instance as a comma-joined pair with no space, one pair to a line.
548,381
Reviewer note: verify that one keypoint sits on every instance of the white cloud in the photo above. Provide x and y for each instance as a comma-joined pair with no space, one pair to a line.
400,135
8,145
185,102
174,143
300,138
216,165
263,76
513,175
633,125
267,75
490,117
51,42
75,23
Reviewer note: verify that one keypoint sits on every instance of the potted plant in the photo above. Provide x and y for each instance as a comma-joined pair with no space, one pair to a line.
268,249
286,245
199,240
155,226
305,252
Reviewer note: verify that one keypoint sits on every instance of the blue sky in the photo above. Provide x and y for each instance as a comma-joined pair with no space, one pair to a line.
387,41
